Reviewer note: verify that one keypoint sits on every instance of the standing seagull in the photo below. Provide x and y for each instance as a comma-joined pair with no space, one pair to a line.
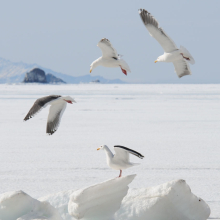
179,57
120,160
110,57
58,106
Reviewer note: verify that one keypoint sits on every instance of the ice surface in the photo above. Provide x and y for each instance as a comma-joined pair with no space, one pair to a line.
176,128
99,201
172,200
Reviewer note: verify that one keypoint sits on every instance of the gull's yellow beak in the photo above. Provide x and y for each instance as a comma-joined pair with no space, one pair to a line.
90,70
99,148
155,61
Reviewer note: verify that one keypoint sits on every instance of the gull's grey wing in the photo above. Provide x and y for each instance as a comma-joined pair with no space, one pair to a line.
39,104
54,117
108,51
182,68
123,152
156,32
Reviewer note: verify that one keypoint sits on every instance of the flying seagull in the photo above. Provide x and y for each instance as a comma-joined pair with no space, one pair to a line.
58,106
120,160
109,58
179,57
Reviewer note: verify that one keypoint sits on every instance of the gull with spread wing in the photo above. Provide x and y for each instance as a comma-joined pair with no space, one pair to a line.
120,160
179,57
57,108
109,58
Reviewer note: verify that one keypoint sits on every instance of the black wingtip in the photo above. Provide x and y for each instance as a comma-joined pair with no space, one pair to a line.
141,157
27,117
142,10
51,132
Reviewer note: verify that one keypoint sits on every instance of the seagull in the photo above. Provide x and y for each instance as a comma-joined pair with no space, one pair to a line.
179,57
120,160
58,106
110,57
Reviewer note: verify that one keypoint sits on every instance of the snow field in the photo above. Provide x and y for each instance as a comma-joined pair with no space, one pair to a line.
174,126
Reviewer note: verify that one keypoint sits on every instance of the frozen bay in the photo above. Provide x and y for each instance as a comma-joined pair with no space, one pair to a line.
176,128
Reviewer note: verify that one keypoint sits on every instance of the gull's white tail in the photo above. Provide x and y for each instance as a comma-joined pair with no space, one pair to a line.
186,53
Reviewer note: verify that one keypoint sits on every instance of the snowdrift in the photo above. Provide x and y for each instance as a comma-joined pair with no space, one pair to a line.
172,200
108,200
18,205
14,205
100,201
60,202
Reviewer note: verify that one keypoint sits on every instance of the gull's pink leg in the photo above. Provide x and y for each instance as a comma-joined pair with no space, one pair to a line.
187,58
124,71
120,173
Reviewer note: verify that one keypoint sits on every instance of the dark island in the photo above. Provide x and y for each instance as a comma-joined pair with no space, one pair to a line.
37,75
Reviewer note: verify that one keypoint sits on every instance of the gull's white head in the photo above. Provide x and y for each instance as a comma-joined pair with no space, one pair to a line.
102,147
159,59
68,99
91,67
95,64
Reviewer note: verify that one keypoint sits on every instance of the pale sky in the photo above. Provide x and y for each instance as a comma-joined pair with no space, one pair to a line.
62,36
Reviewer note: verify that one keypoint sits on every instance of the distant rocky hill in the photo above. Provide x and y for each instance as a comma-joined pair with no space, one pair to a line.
11,72
37,75
53,79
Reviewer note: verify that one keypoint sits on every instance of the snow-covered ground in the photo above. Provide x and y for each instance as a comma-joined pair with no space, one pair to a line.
176,127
